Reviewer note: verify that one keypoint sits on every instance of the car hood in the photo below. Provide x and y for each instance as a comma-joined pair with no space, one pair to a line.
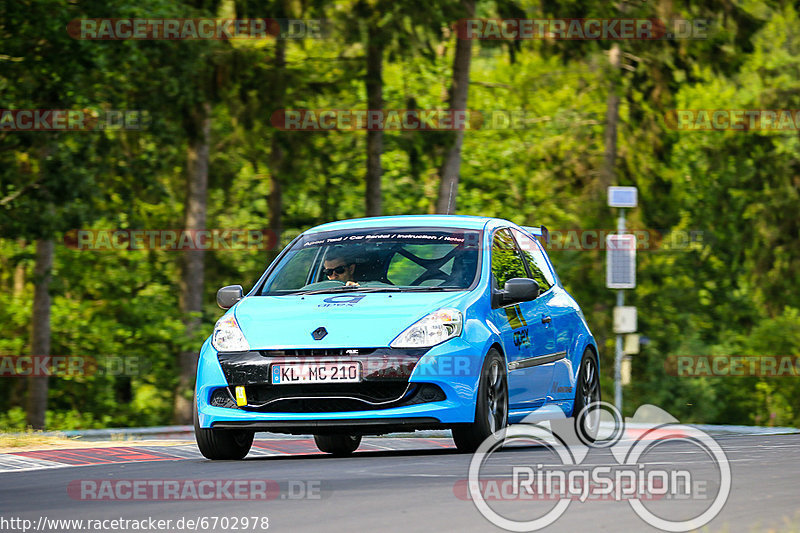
352,320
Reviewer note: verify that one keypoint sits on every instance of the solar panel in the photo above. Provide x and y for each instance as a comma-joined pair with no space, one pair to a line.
621,261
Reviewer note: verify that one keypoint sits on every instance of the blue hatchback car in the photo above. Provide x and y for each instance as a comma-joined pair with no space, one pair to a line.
378,325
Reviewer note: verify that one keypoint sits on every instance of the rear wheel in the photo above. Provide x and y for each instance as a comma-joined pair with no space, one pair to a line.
491,409
221,443
584,423
337,445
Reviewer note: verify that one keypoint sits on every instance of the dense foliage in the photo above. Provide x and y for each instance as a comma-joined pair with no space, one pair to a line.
724,278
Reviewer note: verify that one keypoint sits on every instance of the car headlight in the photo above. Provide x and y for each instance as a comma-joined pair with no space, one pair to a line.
430,330
228,337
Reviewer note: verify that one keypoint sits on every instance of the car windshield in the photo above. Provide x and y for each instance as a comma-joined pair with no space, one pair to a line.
377,259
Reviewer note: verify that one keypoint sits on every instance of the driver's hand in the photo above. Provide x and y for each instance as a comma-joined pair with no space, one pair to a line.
351,284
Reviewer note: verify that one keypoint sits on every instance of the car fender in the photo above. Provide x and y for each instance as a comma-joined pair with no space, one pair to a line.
209,377
579,344
455,365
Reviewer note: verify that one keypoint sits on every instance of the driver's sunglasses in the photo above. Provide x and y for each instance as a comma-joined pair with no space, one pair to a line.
338,270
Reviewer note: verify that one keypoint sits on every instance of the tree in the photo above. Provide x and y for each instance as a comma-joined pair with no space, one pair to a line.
46,187
374,83
448,187
193,270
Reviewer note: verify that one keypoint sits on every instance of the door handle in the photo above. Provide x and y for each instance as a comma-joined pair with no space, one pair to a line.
546,320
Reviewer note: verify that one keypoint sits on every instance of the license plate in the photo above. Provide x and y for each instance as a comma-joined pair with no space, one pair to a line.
294,373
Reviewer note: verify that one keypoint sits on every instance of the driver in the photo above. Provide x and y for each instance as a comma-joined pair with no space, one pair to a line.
338,267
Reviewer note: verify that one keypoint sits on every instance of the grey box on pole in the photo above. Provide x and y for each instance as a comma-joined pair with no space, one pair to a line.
625,319
623,196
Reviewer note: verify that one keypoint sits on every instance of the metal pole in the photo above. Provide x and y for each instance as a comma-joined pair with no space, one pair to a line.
618,353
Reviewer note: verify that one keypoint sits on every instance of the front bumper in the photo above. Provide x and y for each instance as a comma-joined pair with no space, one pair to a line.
452,368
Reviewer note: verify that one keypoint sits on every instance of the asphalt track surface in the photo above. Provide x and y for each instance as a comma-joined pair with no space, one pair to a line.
390,484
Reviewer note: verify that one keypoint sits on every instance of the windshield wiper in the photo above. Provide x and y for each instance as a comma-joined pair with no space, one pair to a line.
429,288
350,288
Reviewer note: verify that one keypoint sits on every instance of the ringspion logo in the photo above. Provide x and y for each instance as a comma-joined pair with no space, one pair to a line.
688,497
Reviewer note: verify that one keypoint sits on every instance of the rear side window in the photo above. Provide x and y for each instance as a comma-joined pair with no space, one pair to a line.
506,261
403,270
537,263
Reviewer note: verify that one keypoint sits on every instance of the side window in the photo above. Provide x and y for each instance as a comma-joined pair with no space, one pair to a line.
537,264
294,273
506,262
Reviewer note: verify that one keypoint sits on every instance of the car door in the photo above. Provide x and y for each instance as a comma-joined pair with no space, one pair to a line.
552,297
524,328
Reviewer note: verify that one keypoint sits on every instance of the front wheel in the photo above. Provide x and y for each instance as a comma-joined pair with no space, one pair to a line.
337,445
491,409
221,443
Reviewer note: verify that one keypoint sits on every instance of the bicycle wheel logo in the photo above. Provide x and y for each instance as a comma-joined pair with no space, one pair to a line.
633,474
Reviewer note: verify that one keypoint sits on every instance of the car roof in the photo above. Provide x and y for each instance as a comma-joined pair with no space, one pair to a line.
436,221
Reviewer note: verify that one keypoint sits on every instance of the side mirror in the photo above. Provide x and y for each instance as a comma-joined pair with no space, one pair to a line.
520,290
227,296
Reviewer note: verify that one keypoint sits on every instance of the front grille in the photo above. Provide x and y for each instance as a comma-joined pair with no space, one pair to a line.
253,367
318,352
367,391
342,397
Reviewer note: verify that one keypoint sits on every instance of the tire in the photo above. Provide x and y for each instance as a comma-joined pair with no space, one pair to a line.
221,443
491,406
582,426
337,445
